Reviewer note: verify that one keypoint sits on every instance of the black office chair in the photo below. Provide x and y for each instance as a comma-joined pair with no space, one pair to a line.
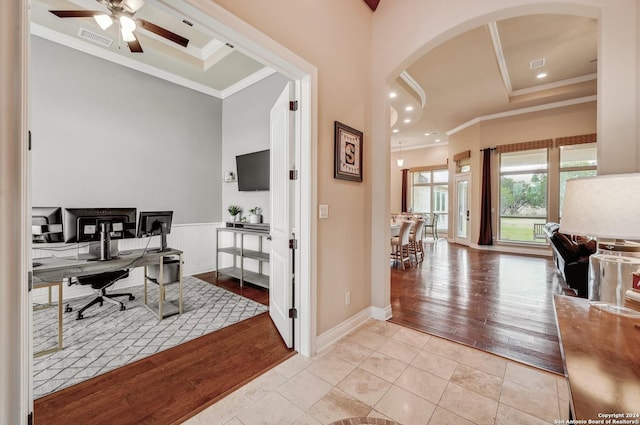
99,283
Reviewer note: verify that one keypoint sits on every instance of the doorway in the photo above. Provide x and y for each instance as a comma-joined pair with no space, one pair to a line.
299,213
462,203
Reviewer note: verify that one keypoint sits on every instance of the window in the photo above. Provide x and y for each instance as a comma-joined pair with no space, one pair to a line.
430,194
523,194
576,161
463,166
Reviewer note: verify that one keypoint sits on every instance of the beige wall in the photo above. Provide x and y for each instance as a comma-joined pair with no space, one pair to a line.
550,124
436,155
337,36
334,36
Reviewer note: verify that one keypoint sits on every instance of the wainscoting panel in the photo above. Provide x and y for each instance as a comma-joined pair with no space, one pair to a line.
197,241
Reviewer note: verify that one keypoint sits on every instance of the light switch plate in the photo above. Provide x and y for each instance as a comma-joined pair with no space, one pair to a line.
323,211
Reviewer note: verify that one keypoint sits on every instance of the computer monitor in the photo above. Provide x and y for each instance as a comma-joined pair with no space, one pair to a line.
46,224
99,226
154,223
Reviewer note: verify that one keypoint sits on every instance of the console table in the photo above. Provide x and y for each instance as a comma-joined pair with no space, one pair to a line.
238,251
601,361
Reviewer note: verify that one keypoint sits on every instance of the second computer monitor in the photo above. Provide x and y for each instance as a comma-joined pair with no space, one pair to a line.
154,223
85,224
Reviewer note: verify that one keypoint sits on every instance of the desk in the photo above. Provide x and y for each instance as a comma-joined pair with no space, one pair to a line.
53,271
600,355
50,285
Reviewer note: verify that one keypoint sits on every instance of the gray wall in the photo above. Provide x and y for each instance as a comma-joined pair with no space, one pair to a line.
106,136
245,129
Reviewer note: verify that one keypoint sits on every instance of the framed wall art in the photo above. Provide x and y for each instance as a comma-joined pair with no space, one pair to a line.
348,153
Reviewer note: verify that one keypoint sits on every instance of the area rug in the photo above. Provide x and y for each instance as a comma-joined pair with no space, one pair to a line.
108,338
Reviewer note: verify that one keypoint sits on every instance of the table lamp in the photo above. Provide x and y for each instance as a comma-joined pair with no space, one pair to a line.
607,208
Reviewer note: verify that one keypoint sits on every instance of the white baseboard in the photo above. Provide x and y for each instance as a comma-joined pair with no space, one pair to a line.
380,313
544,251
199,270
332,335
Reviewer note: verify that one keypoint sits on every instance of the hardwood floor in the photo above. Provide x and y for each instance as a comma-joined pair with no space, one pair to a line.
173,385
500,303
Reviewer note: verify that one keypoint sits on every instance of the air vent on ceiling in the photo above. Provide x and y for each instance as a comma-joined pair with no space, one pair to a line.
94,37
184,21
537,63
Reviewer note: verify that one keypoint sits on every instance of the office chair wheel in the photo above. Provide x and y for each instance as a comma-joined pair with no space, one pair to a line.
131,298
122,307
80,316
68,309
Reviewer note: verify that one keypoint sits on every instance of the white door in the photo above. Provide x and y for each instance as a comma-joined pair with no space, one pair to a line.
281,187
461,220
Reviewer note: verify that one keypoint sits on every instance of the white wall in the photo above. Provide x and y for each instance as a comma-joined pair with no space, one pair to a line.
246,129
105,136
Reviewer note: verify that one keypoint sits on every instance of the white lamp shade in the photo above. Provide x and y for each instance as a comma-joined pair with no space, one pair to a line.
127,35
606,207
104,21
127,24
400,162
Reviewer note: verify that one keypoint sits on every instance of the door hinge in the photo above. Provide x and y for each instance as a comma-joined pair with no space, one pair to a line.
30,418
293,244
293,313
293,174
30,281
293,105
29,139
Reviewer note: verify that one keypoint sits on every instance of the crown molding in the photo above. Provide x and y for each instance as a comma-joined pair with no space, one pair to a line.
415,87
522,111
246,82
88,48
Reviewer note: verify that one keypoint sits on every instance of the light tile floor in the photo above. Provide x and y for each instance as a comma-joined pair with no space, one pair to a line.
384,370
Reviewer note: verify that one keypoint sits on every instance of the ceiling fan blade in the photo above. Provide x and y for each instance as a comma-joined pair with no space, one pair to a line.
135,46
162,32
76,13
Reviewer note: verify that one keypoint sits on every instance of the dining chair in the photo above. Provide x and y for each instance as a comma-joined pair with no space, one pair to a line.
400,244
432,223
415,241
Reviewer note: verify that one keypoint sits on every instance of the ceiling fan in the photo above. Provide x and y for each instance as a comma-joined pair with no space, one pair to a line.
122,12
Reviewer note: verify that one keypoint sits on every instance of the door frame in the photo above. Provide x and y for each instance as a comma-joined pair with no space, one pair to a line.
457,178
262,48
249,41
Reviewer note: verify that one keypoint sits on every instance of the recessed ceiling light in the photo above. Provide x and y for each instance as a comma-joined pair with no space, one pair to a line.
426,134
395,130
437,140
407,120
541,75
409,108
393,94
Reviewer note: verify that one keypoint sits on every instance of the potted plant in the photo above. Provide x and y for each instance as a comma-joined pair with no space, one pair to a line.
234,210
255,215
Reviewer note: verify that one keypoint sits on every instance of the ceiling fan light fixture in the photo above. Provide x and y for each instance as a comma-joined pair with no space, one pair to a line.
127,35
127,24
132,6
104,21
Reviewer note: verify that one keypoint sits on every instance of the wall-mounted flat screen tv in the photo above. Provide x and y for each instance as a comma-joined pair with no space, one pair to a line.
253,171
